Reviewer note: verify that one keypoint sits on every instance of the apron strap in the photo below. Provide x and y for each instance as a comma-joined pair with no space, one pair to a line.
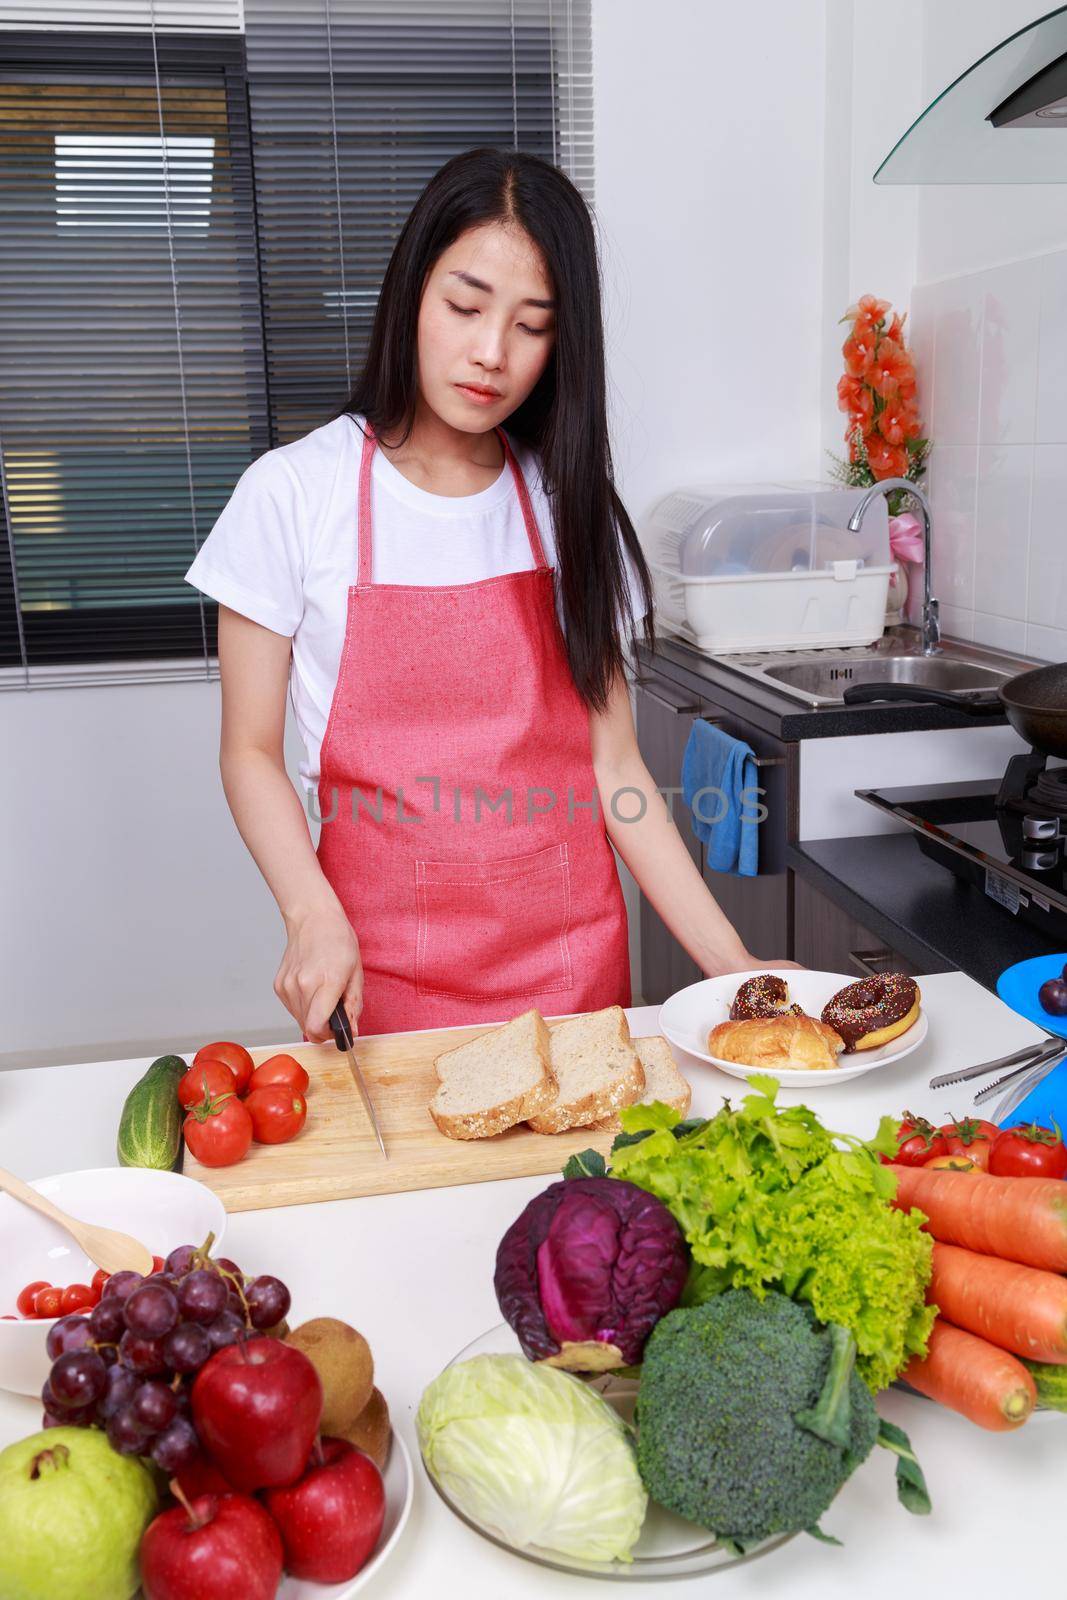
363,513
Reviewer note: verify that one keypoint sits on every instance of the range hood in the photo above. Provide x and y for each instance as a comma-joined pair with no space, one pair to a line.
999,122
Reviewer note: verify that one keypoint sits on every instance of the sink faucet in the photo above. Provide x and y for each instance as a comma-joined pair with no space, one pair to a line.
931,615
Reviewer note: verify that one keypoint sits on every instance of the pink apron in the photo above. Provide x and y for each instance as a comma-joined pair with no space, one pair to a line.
462,830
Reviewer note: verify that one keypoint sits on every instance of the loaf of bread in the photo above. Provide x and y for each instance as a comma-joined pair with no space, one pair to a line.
778,1044
663,1081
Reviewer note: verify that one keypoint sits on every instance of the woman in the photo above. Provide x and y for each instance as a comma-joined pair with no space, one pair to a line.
454,598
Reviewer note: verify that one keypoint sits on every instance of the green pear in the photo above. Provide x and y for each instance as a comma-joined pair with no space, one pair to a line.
72,1512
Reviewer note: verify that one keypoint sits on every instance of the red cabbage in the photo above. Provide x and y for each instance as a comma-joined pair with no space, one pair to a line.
586,1271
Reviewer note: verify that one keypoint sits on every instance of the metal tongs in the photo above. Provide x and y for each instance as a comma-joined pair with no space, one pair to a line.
1032,1058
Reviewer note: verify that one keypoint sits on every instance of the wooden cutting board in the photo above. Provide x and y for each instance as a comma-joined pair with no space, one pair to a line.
336,1156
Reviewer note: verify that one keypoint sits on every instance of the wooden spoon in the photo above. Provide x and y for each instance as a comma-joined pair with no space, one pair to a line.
115,1252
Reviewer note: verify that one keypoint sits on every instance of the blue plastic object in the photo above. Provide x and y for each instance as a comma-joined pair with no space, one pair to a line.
1017,986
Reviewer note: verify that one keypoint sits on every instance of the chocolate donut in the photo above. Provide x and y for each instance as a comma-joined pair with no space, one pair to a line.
873,1010
762,996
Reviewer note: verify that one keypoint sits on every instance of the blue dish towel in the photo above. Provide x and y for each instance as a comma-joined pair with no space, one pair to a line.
1045,1104
725,822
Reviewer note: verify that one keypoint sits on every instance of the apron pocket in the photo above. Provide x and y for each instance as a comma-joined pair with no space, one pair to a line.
488,930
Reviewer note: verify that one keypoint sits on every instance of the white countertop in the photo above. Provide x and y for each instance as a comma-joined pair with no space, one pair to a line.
414,1273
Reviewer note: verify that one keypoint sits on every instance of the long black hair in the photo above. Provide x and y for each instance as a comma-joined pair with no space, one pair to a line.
564,417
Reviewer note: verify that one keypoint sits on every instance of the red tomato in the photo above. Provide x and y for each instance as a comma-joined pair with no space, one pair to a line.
235,1056
157,1264
972,1138
218,1133
99,1278
205,1078
48,1303
918,1141
954,1164
78,1297
24,1303
277,1114
285,1070
1029,1152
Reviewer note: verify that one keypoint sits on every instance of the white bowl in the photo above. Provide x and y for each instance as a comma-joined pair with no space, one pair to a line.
689,1016
162,1209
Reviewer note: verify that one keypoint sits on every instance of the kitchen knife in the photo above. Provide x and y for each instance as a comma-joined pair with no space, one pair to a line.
341,1029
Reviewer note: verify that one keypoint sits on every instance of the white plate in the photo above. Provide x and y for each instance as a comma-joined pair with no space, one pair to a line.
399,1492
689,1016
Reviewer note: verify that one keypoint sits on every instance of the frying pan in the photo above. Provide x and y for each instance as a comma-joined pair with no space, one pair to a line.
1034,702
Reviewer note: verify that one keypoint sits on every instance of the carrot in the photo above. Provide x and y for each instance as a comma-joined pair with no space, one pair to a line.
967,1375
1018,1219
1018,1308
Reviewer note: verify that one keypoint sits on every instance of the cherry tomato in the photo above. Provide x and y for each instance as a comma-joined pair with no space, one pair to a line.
1029,1151
277,1113
48,1302
285,1070
954,1164
205,1078
99,1278
918,1141
234,1056
76,1297
157,1264
219,1132
24,1303
972,1138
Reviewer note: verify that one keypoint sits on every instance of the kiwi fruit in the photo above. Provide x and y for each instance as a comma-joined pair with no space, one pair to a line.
371,1431
343,1361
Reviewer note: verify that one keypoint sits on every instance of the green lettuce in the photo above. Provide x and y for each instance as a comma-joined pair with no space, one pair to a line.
534,1454
768,1199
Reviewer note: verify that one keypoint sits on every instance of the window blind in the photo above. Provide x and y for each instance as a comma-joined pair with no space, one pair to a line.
194,227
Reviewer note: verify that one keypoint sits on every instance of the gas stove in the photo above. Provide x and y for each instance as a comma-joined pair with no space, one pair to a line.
1007,836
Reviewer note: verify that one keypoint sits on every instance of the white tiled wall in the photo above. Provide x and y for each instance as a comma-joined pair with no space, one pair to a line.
991,355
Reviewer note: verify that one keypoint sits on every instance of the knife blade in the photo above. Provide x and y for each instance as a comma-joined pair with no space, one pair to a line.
341,1029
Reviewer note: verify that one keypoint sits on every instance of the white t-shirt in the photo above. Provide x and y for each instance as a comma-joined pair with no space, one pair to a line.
283,552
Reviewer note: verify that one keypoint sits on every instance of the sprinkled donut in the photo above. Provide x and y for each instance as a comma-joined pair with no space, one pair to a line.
873,1011
763,996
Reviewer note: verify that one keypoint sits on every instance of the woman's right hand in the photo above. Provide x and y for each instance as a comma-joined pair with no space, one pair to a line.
321,964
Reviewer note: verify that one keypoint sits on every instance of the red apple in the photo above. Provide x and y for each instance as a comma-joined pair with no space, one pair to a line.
202,1476
216,1545
330,1521
257,1406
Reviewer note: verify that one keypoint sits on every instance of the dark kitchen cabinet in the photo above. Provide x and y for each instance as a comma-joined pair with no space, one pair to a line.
827,939
760,907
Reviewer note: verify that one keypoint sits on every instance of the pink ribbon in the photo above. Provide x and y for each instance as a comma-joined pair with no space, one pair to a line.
905,538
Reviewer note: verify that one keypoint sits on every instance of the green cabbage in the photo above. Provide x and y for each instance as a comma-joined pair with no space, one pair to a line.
534,1454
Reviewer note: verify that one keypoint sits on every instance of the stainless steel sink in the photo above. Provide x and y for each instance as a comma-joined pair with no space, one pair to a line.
820,677
828,679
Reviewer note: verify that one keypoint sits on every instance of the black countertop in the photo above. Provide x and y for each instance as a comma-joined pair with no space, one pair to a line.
917,906
778,714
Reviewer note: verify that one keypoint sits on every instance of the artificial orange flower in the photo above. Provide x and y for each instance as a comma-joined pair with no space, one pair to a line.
855,397
867,312
858,351
890,368
887,460
895,329
898,421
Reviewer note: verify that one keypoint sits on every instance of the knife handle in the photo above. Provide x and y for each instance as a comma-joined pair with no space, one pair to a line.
340,1027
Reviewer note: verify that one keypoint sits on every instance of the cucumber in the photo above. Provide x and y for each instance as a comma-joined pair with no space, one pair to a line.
1051,1384
150,1128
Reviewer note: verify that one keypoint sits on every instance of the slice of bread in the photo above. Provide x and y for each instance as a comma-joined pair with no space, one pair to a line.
597,1068
663,1081
494,1081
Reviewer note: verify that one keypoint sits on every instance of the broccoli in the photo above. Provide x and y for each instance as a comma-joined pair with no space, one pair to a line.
751,1416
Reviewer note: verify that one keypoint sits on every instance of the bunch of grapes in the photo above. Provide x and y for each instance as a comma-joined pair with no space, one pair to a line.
129,1365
